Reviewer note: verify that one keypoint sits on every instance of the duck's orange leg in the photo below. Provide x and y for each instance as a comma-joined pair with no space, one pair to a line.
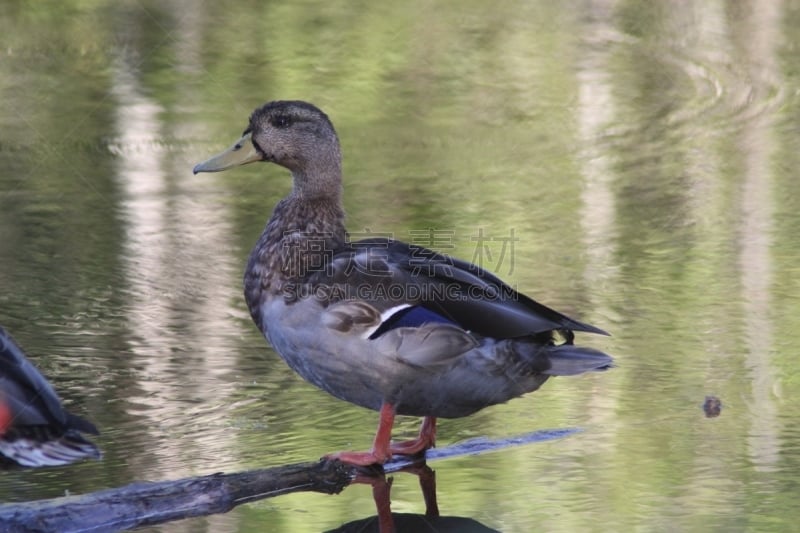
380,446
425,440
383,449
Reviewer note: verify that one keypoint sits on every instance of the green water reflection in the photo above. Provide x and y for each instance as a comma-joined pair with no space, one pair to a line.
641,155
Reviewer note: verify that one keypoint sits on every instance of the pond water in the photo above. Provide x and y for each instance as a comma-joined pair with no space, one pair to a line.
630,163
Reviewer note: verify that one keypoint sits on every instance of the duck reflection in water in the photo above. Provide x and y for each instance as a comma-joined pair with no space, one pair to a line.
388,522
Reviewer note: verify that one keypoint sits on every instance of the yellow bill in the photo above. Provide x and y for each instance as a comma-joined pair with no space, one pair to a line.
241,153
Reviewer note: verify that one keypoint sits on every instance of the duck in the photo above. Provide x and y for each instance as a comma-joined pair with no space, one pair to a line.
386,325
35,428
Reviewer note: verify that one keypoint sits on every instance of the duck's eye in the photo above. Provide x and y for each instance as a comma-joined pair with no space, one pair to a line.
281,121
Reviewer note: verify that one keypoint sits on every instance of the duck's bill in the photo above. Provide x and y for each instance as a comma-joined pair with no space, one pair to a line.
241,153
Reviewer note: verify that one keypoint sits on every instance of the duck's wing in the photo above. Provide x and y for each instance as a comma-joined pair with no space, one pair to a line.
399,282
36,430
29,395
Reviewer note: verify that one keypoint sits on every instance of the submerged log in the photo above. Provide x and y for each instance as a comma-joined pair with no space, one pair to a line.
150,503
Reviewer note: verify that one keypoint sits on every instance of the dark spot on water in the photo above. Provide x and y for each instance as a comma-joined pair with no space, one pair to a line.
712,406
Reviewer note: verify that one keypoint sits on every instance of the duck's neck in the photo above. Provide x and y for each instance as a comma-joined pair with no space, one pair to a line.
298,241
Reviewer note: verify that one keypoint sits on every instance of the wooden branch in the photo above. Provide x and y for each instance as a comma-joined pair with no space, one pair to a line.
150,503
142,504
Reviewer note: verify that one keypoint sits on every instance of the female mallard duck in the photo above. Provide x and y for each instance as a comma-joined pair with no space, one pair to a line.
35,430
380,323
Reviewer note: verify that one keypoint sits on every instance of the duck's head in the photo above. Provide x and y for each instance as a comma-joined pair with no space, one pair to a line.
293,134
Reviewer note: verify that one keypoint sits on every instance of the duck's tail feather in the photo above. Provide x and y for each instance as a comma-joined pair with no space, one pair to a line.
41,449
569,360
